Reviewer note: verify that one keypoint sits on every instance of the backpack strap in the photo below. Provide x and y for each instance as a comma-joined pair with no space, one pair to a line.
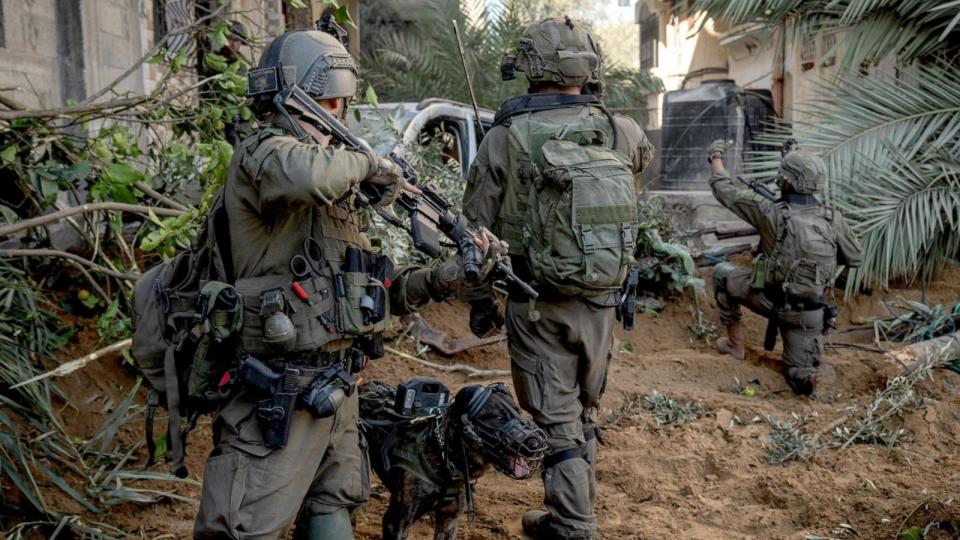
540,102
175,437
548,101
153,402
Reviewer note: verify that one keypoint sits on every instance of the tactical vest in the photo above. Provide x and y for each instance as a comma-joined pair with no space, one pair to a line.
326,310
569,205
803,262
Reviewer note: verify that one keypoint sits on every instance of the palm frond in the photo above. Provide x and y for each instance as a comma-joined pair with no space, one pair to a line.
892,148
872,30
907,216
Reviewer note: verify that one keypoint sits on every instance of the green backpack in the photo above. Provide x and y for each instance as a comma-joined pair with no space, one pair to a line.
804,260
580,218
185,315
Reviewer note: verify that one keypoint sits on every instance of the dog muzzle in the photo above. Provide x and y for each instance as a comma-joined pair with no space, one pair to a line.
516,448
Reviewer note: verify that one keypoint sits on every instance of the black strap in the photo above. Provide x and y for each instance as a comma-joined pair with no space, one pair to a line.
153,401
594,433
174,435
540,102
770,336
553,460
800,198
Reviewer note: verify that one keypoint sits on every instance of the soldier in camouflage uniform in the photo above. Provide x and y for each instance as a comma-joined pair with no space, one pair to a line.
280,191
559,362
766,290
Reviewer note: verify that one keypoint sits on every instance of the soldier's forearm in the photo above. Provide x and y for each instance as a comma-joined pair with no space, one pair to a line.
716,164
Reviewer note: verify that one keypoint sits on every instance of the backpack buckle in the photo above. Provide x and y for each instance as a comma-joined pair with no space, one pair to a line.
589,240
626,234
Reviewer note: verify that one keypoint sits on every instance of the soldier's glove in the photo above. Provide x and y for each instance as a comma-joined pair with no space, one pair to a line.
445,279
485,318
386,180
717,149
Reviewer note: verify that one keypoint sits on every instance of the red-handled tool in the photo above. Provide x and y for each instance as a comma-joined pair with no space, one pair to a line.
300,292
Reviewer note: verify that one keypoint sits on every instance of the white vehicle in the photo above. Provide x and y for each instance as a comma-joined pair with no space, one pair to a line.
391,126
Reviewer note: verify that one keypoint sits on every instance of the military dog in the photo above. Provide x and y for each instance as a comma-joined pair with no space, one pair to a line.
428,459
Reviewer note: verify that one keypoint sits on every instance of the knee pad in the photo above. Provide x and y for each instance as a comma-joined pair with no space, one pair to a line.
335,526
801,380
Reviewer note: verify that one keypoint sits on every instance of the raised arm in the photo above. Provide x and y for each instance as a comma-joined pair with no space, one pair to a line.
292,174
744,202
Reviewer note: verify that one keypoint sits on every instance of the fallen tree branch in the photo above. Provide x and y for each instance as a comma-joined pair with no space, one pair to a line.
142,186
84,208
93,283
932,352
469,371
31,252
74,365
122,103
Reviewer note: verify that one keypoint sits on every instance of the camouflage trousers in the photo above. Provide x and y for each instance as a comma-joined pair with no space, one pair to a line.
253,492
801,331
559,365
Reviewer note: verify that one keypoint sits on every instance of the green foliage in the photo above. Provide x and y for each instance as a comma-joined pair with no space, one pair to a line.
789,441
38,449
665,268
910,322
668,411
422,60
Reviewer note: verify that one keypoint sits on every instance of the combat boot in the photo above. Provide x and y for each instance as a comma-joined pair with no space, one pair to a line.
733,343
535,524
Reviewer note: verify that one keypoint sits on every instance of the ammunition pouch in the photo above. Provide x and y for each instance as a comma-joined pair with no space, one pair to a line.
359,313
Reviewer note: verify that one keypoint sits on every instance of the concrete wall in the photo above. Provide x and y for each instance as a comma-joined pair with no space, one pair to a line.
114,35
686,45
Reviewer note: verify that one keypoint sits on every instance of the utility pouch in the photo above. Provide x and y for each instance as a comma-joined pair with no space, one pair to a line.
830,313
758,276
325,394
219,319
356,303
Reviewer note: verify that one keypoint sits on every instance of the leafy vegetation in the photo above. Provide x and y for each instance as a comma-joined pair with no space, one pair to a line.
788,441
422,60
889,136
667,411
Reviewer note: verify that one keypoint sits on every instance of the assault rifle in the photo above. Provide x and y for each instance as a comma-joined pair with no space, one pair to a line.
429,211
761,188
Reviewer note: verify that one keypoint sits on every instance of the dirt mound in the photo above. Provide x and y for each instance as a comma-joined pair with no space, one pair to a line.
705,479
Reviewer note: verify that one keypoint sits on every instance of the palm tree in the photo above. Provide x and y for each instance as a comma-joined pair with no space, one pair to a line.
891,143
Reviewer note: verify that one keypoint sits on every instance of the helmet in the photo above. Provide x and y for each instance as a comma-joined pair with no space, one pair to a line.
806,172
238,31
556,50
313,60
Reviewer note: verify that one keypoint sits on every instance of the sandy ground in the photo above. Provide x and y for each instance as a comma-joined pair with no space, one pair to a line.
705,479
